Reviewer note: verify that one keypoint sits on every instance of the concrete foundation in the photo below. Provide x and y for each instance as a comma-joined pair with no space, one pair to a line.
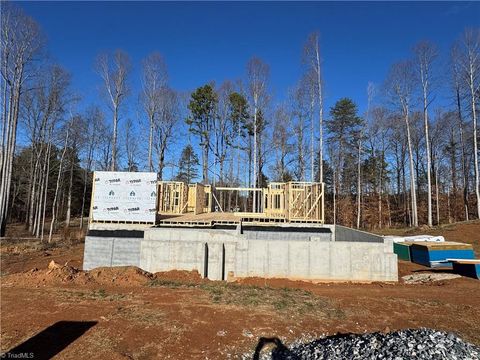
328,253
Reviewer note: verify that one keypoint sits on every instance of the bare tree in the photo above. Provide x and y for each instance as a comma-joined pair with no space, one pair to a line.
257,74
42,110
370,93
114,70
312,57
94,125
399,85
21,40
131,146
300,99
378,133
282,127
470,64
57,186
154,80
76,141
425,55
457,82
165,124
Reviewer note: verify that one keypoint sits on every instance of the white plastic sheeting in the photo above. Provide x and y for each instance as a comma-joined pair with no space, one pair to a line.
124,196
415,238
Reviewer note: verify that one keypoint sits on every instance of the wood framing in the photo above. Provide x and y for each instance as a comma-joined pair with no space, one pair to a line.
172,197
293,201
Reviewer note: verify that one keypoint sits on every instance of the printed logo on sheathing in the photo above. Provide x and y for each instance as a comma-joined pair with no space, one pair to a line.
111,194
134,182
113,182
134,195
133,209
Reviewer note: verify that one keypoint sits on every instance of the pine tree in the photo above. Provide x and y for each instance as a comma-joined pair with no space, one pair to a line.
202,106
188,164
345,130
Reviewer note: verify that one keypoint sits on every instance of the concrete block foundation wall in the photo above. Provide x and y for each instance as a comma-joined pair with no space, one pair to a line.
223,254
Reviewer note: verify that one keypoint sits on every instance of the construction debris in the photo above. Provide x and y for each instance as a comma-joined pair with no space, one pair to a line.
426,278
414,238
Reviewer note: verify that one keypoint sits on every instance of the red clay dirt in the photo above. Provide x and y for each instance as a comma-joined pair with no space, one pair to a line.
178,315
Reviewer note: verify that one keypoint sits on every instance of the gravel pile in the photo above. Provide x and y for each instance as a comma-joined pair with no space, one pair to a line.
428,278
403,344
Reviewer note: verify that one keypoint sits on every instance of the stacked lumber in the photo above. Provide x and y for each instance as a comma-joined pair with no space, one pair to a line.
435,254
470,268
402,249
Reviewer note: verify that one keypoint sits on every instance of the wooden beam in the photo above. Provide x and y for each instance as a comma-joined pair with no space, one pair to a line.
220,206
314,204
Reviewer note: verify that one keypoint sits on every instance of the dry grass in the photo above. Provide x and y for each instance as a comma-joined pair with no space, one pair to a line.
284,300
98,294
141,315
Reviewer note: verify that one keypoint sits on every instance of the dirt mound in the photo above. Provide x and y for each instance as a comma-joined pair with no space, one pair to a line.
180,275
57,274
54,274
122,275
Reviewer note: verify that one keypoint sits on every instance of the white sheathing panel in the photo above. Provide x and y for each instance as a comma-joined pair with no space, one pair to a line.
124,196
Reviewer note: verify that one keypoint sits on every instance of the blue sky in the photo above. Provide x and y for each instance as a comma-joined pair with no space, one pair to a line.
205,41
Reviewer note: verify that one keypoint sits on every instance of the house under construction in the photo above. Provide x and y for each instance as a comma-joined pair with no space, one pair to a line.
226,233
195,204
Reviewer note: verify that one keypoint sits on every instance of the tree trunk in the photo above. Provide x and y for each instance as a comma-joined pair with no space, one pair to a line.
359,184
255,156
69,197
44,206
150,145
312,137
320,110
113,165
437,195
475,145
412,174
8,162
429,160
161,162
464,155
85,172
57,186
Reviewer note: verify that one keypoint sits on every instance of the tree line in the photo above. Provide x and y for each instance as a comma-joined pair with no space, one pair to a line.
407,160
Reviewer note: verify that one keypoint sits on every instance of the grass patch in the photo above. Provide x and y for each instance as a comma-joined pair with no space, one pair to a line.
99,294
141,315
167,283
284,300
293,301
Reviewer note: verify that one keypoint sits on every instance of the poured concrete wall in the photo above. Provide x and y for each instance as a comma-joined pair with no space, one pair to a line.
218,254
298,235
210,252
111,251
316,260
342,233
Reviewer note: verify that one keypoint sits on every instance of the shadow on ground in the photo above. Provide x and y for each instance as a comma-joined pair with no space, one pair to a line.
50,341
